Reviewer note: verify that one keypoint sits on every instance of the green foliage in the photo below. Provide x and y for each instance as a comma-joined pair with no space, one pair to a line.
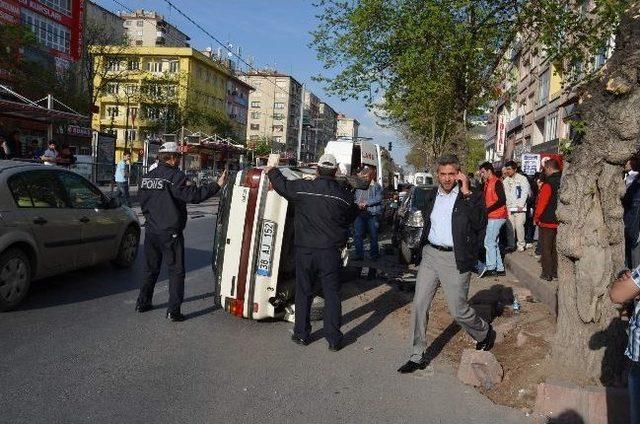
263,146
425,65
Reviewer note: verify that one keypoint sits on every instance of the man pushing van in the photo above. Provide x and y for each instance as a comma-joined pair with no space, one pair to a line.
324,210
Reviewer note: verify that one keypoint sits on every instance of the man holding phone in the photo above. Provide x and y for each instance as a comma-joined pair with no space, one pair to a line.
454,218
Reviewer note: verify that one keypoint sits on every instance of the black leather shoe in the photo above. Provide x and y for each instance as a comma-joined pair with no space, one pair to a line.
546,277
176,316
299,340
502,273
143,308
489,340
335,347
411,366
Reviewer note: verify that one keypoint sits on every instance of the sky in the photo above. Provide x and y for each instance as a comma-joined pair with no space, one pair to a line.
271,33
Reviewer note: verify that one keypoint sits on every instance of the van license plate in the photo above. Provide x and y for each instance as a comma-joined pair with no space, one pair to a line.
267,239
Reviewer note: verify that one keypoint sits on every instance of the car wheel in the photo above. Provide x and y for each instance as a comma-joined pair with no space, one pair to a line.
128,248
404,253
15,278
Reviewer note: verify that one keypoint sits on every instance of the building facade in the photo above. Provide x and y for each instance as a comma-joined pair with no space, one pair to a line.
110,24
149,28
57,25
238,93
534,113
310,127
145,92
274,110
327,124
347,127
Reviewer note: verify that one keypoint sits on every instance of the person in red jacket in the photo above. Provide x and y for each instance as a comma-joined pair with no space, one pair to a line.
496,203
547,221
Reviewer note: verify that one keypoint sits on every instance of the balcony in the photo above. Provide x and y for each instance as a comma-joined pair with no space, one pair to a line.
514,123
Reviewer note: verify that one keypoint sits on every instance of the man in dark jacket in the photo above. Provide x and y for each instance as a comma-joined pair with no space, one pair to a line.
324,210
547,221
454,219
164,194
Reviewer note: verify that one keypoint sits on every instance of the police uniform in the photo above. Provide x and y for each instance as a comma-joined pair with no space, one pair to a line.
324,210
164,194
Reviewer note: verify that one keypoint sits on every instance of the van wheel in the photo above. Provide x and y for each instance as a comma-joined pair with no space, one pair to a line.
15,278
128,249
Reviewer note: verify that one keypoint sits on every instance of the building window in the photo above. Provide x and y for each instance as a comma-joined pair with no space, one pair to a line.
255,127
113,111
255,104
171,91
138,42
111,88
277,139
131,134
550,127
278,116
130,89
133,65
174,66
255,115
543,90
47,31
278,128
127,23
278,105
154,66
140,23
152,112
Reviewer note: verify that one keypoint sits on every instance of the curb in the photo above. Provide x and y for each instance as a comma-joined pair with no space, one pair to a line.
526,269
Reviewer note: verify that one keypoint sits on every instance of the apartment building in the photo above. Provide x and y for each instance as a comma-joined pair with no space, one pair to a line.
327,124
310,127
148,28
98,19
534,113
143,89
274,110
347,127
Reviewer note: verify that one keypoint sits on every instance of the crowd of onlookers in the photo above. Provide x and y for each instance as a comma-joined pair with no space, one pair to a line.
520,210
52,154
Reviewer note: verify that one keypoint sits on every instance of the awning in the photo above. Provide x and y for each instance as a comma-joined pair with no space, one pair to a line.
14,105
36,113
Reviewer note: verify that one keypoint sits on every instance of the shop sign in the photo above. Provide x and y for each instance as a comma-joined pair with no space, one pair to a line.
78,131
530,163
501,135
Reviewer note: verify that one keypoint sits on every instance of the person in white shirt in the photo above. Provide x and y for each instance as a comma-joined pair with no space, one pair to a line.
630,171
517,191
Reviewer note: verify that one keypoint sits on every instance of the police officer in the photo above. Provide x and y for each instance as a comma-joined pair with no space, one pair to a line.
324,210
164,194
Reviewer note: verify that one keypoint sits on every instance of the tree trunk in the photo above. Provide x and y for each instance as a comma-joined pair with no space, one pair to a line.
590,338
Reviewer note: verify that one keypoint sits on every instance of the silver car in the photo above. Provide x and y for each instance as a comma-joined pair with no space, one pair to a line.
52,221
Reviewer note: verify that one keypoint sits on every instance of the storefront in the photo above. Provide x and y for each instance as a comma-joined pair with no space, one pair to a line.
27,126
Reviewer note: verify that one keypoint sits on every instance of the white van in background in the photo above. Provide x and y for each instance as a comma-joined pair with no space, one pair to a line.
351,155
423,179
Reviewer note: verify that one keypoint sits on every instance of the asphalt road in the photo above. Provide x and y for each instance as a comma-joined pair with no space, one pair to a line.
76,352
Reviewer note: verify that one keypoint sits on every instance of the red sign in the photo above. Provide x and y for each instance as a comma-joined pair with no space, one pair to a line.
77,28
501,135
9,12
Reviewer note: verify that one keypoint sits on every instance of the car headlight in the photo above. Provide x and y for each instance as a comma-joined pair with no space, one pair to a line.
415,219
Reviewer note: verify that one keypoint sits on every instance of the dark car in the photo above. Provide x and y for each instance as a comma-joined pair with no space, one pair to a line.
408,223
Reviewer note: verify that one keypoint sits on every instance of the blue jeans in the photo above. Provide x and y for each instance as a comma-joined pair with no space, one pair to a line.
634,393
123,193
493,260
366,223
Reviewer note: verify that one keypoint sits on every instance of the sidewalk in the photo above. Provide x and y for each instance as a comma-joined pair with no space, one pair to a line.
525,267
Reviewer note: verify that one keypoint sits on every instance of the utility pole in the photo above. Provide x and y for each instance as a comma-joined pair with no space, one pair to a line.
126,126
300,124
50,125
182,147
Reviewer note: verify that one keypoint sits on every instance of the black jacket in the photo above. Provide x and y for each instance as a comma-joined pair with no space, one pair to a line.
164,195
324,209
469,220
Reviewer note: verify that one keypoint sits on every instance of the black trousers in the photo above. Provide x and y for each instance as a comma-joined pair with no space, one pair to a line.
549,257
324,265
169,247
